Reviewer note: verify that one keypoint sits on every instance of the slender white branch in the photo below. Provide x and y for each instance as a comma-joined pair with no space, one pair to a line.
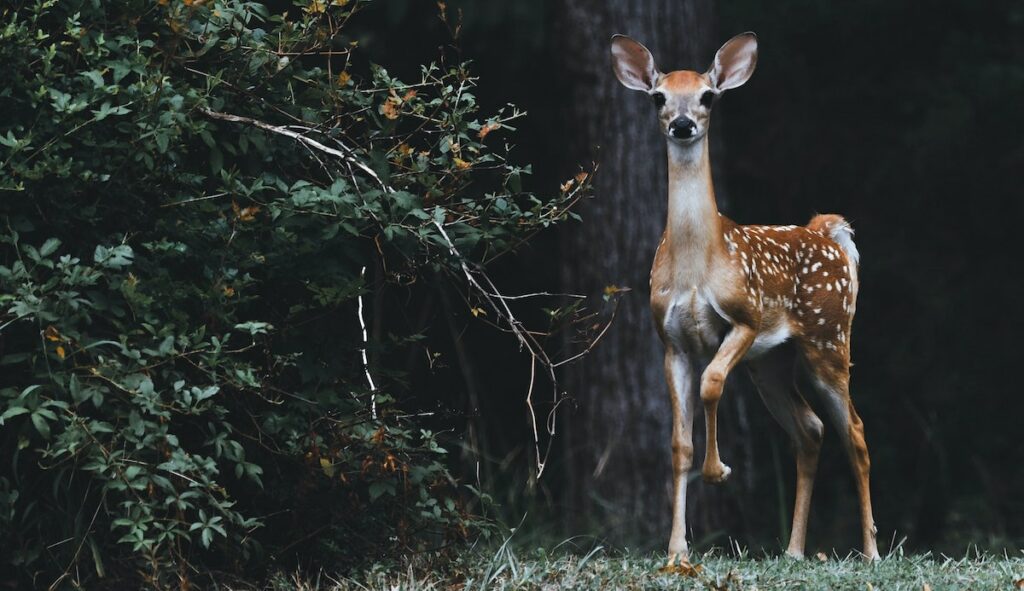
366,361
309,142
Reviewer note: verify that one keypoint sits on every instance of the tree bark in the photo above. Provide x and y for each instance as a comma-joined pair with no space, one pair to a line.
617,437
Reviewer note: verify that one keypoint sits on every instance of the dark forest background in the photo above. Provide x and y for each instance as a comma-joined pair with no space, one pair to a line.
904,117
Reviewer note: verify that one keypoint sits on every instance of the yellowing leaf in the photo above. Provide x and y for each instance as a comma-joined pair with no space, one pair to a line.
327,467
245,214
404,149
343,78
581,176
478,311
339,2
316,7
60,351
51,333
567,185
461,164
228,290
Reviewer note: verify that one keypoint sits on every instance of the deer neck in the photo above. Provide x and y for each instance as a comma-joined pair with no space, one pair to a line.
693,234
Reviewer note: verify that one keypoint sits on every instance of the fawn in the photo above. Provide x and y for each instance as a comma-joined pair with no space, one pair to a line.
781,298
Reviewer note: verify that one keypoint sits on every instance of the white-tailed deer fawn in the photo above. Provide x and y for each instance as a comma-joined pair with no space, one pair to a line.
781,298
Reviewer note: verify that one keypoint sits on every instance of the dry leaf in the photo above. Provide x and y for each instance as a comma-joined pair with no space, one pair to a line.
390,108
228,290
821,557
344,78
567,185
478,311
684,568
60,351
409,96
488,128
316,7
581,176
404,149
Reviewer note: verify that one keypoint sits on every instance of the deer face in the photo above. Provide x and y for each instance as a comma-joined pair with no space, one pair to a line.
684,98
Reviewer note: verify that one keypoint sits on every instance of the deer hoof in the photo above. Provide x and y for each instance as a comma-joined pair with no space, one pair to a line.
716,474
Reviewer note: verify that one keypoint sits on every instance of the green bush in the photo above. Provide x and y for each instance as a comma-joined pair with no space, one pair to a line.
195,196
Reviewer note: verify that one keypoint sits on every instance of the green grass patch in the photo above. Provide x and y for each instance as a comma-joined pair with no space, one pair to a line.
599,569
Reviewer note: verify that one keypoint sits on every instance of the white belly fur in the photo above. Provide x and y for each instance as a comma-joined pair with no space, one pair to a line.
769,339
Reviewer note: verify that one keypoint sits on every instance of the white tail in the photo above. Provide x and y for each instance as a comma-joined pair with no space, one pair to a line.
780,297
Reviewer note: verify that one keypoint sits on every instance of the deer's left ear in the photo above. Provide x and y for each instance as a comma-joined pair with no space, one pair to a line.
735,62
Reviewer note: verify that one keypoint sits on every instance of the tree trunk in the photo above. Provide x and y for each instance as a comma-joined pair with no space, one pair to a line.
618,435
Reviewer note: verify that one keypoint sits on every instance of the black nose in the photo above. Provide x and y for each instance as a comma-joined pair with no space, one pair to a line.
682,128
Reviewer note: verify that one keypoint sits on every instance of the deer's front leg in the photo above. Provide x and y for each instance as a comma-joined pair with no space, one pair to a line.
732,350
681,381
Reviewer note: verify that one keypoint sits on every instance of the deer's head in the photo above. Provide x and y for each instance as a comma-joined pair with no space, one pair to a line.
684,98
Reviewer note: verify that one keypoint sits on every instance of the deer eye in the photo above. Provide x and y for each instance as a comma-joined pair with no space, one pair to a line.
707,98
659,99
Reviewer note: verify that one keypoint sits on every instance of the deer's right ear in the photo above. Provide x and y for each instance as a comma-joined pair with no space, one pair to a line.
633,64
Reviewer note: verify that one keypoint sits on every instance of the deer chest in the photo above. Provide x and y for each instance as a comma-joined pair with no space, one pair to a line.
688,320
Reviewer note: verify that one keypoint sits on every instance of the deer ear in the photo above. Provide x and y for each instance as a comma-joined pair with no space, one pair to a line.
735,62
633,64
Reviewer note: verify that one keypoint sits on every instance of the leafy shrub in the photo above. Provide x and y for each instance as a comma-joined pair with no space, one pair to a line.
196,196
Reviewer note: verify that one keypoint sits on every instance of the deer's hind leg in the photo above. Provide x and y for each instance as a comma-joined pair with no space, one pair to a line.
830,373
774,374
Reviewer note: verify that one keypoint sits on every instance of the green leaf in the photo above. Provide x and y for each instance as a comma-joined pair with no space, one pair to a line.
13,412
49,247
41,425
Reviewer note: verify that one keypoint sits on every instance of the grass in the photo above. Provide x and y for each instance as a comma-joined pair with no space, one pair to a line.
598,569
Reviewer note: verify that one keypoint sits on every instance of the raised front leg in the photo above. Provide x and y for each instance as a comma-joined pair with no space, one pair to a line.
681,381
732,350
